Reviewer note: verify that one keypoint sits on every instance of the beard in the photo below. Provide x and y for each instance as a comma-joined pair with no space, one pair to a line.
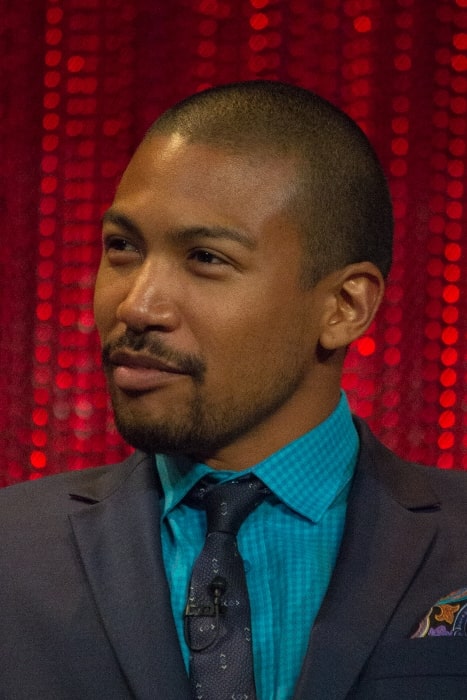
204,424
202,428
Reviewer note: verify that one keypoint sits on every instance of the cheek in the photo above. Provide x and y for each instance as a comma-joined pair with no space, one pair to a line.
246,342
106,300
274,335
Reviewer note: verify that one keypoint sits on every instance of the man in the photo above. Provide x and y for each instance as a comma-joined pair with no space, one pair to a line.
245,249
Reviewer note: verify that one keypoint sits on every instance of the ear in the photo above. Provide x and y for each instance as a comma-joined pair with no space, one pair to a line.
353,297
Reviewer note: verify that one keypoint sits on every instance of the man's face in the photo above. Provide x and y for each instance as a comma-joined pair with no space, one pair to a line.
209,339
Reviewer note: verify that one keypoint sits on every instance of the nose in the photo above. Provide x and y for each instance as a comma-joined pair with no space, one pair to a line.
150,302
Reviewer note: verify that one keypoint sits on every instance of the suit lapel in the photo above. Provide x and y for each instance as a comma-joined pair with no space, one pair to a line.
390,524
119,542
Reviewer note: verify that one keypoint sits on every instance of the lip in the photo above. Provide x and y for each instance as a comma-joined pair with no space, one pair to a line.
139,372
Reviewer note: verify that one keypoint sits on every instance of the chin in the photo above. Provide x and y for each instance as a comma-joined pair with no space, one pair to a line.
154,437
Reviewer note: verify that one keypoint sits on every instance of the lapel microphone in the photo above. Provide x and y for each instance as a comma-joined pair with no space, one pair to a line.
217,588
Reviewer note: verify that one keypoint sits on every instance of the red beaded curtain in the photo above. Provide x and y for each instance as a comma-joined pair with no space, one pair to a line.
83,79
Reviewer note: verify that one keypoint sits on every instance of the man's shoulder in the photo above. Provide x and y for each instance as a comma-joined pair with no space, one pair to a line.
36,517
450,483
85,485
407,479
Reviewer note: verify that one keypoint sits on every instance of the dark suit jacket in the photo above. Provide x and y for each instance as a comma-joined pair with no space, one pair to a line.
85,609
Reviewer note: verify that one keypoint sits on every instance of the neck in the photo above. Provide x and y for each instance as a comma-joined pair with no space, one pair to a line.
276,432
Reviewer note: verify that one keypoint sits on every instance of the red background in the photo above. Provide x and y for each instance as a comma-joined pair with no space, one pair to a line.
83,79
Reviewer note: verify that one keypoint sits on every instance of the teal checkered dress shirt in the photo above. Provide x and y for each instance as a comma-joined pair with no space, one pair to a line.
289,543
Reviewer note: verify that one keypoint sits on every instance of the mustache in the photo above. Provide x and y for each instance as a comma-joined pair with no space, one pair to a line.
153,345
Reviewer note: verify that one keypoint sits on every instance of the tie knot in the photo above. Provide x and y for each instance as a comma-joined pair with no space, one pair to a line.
228,504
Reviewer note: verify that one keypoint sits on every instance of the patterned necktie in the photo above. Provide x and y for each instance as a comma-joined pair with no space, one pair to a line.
217,615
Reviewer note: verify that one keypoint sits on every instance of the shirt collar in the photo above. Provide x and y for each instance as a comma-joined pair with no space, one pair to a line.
308,475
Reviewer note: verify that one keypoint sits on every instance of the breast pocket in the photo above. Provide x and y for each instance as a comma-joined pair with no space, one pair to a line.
433,668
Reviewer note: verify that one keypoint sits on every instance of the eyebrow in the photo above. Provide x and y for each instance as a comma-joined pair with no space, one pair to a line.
216,233
184,235
120,220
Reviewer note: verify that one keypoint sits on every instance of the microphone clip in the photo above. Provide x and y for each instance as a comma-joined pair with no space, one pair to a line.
209,610
217,588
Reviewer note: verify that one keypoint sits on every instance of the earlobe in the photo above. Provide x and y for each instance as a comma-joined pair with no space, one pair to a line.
355,293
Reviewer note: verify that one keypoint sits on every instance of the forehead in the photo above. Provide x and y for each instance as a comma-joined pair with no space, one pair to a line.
168,169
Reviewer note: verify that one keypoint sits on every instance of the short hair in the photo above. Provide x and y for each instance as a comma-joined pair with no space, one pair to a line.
342,202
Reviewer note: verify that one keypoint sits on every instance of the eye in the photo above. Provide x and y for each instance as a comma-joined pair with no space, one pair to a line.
206,257
119,250
117,243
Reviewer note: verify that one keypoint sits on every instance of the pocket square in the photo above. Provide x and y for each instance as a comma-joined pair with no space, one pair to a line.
447,617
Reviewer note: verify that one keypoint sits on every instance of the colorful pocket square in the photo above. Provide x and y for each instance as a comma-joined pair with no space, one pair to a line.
447,617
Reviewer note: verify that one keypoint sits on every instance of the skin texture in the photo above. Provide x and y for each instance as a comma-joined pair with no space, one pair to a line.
212,346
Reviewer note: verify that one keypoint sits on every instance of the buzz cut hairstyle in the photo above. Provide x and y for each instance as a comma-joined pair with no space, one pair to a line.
341,200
